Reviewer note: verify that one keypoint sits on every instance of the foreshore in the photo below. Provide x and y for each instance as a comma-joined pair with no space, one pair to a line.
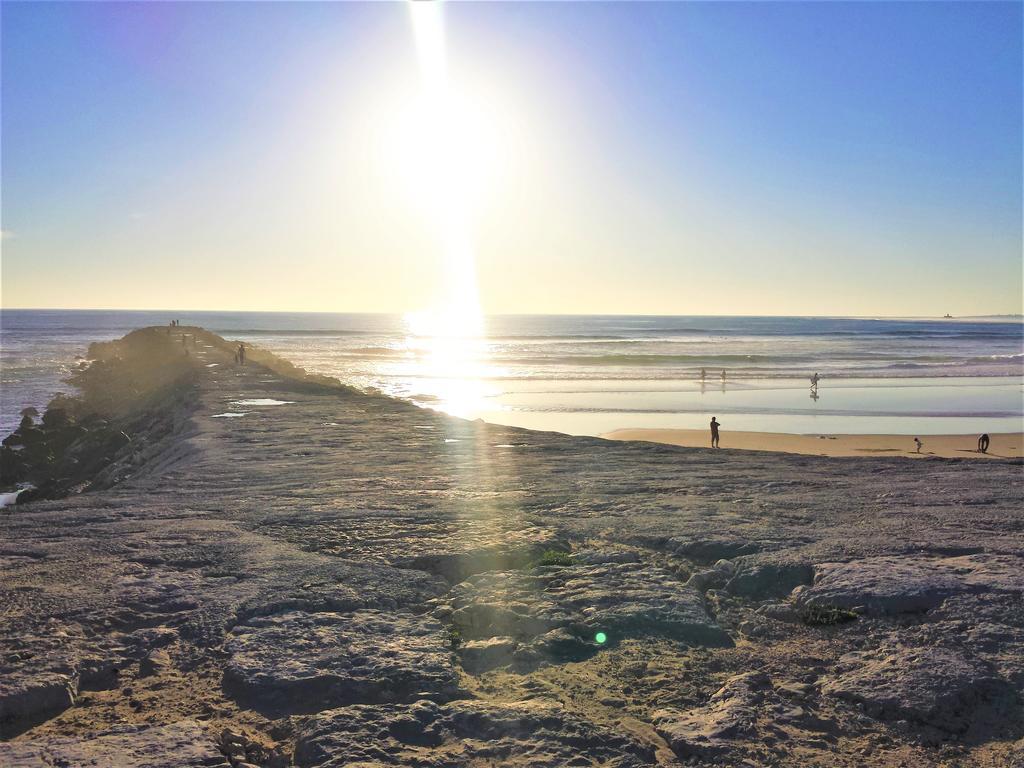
1002,446
229,565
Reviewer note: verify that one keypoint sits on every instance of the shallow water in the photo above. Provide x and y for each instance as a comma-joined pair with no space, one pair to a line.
261,401
590,374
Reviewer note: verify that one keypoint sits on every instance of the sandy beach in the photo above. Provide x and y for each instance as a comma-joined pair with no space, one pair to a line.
1002,446
337,578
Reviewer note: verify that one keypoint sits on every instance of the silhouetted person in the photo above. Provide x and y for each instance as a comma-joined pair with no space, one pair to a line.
983,443
241,354
814,381
918,443
723,374
714,432
703,374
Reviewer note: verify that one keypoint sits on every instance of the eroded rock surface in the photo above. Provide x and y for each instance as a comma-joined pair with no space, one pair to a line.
909,583
558,612
463,734
716,728
931,686
310,661
177,745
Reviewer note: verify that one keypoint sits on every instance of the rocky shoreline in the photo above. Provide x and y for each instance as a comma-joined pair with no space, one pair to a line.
327,578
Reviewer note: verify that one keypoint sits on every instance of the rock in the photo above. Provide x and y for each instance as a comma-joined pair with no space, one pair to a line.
890,585
177,745
712,549
794,689
348,588
480,656
779,612
990,572
710,731
617,600
472,553
307,662
27,697
881,585
98,672
769,579
931,686
156,661
153,637
599,556
463,734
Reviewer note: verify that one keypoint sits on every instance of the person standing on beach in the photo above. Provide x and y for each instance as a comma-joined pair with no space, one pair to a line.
983,444
723,374
241,354
703,374
714,432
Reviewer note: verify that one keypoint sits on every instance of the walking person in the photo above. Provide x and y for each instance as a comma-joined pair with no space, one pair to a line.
918,443
714,432
983,444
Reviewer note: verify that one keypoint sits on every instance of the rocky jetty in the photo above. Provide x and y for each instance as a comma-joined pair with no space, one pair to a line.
246,565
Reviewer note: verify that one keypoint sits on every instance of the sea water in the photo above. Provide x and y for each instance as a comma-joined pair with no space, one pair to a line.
592,374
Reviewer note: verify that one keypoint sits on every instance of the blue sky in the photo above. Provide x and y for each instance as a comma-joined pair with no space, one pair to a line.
678,158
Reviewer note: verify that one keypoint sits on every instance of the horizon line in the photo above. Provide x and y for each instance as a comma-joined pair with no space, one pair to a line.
1015,315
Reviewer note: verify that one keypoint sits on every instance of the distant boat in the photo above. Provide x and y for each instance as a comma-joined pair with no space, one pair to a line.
947,317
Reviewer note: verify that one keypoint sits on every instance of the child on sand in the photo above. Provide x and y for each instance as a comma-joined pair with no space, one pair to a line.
918,443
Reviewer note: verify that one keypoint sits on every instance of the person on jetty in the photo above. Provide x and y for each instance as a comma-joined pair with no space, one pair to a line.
241,354
714,432
983,444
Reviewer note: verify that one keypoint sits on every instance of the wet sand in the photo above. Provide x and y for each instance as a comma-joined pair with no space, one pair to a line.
1002,446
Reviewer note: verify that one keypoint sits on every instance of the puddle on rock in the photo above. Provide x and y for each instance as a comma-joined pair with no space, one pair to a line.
261,401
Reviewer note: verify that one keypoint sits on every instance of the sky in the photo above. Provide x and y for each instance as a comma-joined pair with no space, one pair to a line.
658,158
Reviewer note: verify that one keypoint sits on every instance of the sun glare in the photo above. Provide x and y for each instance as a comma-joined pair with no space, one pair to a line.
445,153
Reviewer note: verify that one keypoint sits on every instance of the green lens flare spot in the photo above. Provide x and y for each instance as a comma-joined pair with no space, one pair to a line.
600,638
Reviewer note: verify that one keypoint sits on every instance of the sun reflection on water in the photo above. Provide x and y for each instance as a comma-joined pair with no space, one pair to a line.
450,353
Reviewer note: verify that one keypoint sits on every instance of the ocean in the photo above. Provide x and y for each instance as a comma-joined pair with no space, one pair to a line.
592,374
